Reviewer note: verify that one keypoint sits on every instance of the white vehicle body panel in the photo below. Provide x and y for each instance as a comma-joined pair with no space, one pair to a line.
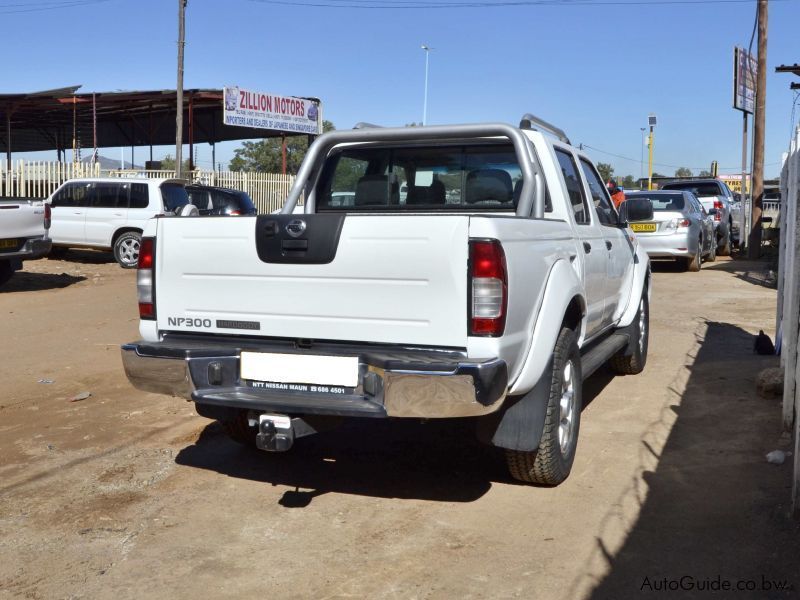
394,279
21,219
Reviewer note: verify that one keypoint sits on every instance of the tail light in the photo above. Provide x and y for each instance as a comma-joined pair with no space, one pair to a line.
682,223
488,281
718,214
145,281
48,214
236,212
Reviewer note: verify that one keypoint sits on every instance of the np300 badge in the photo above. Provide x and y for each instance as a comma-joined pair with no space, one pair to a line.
296,227
184,322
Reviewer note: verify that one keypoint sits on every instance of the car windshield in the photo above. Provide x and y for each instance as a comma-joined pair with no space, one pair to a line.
662,202
481,177
698,189
174,195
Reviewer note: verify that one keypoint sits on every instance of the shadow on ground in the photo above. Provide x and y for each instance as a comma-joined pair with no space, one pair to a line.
86,257
23,281
758,272
436,460
712,508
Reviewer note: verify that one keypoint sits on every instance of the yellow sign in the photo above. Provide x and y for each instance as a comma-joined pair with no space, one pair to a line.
735,183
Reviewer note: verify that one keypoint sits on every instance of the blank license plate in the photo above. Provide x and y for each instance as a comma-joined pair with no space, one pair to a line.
644,227
8,243
300,368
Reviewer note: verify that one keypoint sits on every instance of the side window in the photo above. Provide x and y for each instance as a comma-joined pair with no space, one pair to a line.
109,195
606,213
569,171
174,196
139,197
72,195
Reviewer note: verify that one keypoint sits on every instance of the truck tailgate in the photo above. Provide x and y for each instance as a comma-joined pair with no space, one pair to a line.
393,279
21,219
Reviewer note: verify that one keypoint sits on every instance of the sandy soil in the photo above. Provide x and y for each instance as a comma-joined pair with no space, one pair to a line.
131,495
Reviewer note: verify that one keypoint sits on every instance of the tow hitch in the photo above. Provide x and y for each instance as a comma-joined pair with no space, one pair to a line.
276,433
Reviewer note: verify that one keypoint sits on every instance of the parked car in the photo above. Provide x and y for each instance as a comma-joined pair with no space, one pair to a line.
680,228
110,213
714,194
23,233
494,306
217,201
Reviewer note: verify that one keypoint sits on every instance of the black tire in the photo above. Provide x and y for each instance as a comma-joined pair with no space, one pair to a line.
633,363
6,271
712,254
724,248
57,253
126,249
239,430
693,264
551,463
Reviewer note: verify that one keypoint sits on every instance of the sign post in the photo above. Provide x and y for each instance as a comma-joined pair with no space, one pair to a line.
745,69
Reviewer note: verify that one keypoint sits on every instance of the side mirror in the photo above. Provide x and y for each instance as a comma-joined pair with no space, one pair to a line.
635,209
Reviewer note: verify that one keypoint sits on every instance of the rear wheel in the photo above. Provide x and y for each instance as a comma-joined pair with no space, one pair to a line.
6,271
239,430
693,263
725,244
634,362
712,253
551,463
126,249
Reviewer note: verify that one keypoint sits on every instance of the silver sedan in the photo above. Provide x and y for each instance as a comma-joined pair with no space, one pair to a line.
680,229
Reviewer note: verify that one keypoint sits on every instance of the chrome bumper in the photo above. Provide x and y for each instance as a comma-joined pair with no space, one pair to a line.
393,382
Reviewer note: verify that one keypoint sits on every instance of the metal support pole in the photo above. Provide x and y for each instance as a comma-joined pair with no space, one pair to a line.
191,132
743,195
757,177
179,111
425,98
283,153
641,157
8,140
650,142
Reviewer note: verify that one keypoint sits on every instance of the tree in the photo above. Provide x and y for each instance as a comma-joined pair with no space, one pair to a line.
606,171
628,181
683,172
266,155
705,173
168,163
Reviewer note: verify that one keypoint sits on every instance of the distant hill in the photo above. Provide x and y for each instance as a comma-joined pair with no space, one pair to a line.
107,164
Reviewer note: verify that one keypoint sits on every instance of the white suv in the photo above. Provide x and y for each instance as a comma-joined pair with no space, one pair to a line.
111,213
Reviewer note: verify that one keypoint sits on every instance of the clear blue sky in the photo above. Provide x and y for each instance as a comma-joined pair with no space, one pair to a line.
595,70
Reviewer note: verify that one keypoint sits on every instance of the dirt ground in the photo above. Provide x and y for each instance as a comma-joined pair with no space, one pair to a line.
131,495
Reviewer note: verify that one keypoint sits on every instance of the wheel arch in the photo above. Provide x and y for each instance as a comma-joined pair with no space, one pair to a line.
122,230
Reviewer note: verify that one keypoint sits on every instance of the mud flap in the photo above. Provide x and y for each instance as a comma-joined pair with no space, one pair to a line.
518,425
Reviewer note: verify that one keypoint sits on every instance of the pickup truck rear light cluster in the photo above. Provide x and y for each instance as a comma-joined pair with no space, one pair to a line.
718,206
145,281
488,281
48,215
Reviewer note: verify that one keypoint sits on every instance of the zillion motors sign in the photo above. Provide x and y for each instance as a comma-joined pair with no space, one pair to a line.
246,108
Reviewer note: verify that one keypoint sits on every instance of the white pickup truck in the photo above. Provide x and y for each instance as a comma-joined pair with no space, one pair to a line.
23,233
500,281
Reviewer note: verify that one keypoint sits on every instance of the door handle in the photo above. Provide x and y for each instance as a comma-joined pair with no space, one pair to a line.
587,247
608,244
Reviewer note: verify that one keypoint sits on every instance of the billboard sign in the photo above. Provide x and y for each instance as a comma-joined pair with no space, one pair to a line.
745,68
261,110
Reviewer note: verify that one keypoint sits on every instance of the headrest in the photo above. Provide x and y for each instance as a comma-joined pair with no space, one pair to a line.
489,185
435,193
374,190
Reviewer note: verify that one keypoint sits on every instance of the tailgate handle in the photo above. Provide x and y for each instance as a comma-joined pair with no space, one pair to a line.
294,245
587,247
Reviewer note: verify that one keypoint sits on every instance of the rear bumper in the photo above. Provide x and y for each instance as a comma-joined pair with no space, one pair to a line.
669,245
393,381
30,249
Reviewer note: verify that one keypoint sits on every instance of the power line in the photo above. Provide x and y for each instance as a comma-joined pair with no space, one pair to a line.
46,6
423,4
636,160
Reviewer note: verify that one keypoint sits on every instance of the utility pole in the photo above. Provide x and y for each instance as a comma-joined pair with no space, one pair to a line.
651,121
179,113
757,178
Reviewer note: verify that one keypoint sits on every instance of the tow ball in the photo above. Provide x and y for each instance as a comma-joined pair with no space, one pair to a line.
275,433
